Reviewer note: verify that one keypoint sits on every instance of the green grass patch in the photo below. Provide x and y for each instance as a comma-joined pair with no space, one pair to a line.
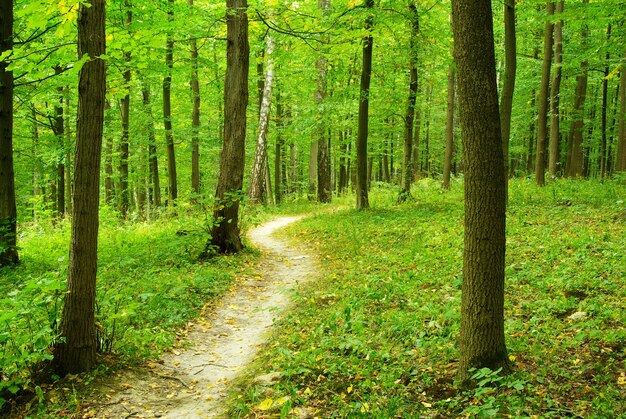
376,335
149,285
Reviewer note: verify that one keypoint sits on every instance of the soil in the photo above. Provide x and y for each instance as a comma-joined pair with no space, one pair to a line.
194,382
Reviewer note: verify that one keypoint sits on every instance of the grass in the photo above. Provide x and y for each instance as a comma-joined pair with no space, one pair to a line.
376,335
149,285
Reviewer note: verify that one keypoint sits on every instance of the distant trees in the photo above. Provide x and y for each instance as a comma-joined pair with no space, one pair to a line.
76,351
481,342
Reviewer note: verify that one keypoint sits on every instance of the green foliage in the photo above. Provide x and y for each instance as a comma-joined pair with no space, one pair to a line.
375,335
149,285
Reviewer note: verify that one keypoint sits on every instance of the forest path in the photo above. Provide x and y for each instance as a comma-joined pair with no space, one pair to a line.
193,382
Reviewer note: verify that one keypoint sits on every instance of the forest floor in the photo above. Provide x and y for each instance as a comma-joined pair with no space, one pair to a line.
193,381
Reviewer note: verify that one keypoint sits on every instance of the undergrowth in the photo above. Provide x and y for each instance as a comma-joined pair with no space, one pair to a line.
376,335
149,285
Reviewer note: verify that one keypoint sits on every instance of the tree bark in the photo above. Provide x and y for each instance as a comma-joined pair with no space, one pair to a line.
508,87
76,352
8,209
620,162
58,128
574,165
555,95
362,180
481,342
195,116
225,235
257,180
324,188
409,117
605,94
447,159
167,115
542,116
124,192
278,153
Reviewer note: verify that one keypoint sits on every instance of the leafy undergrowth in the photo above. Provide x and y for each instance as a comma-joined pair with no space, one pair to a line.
376,336
149,285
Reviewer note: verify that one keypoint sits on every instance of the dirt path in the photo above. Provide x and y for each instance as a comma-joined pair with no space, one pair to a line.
193,383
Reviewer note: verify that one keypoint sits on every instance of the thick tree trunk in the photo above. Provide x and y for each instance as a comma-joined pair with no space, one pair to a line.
409,117
508,87
8,209
225,235
481,342
362,178
167,115
195,116
555,95
620,163
257,180
574,166
447,158
542,116
76,351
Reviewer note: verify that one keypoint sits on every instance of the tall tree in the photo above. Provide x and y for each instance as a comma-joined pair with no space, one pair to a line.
542,115
76,351
362,179
481,342
8,209
447,158
167,113
574,164
257,180
620,163
153,160
603,122
409,117
125,113
324,189
508,87
195,115
225,235
555,95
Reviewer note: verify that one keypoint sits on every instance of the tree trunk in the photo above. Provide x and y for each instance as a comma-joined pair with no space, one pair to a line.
195,117
416,143
508,87
68,156
257,180
481,342
225,235
278,153
76,352
426,153
153,161
620,163
605,94
167,115
58,128
409,117
542,116
124,192
447,159
555,94
362,179
8,209
574,166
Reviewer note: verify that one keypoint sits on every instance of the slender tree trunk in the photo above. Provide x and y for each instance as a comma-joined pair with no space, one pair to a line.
220,111
324,189
153,161
278,153
426,153
257,180
542,116
124,192
292,167
225,235
68,156
574,166
167,114
76,351
415,160
508,87
620,163
36,165
362,179
409,117
531,135
58,127
555,95
447,159
605,94
8,209
481,342
195,116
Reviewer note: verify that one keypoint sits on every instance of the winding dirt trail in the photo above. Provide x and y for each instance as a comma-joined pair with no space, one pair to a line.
193,383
